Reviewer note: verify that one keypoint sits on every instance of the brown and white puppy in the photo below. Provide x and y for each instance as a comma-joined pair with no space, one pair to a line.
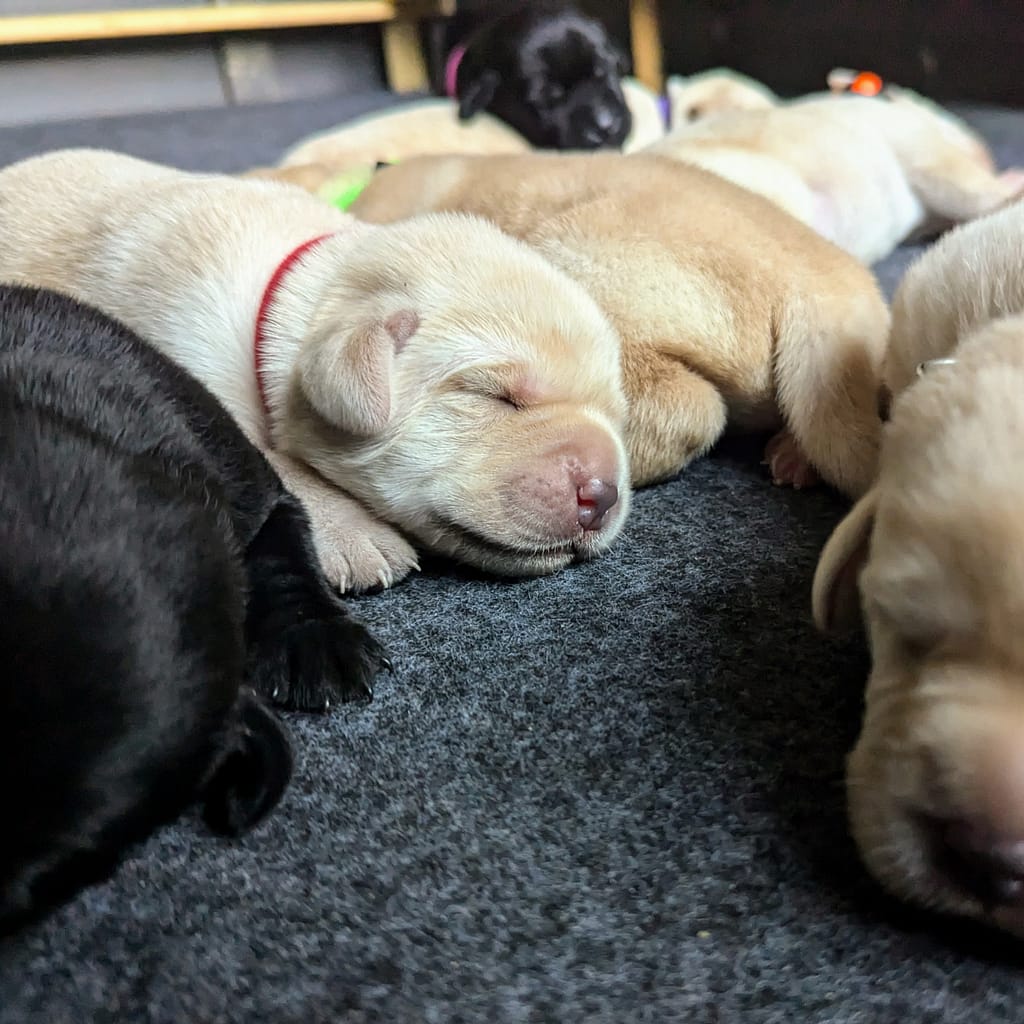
449,379
933,556
730,311
864,172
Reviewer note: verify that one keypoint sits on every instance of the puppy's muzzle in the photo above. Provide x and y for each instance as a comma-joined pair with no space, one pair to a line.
987,866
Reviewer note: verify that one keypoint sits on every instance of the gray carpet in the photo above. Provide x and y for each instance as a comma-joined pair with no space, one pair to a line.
612,795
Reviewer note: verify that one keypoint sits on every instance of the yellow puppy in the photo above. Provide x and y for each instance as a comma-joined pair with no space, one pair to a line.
730,311
934,557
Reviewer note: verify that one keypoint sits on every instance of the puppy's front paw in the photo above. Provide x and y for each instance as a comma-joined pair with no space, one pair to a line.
316,663
787,463
372,557
357,550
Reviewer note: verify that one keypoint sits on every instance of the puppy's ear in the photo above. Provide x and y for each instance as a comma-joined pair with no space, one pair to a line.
348,377
253,773
478,94
835,597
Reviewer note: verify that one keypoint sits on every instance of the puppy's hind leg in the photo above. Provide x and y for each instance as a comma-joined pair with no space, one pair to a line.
304,651
955,187
675,415
828,355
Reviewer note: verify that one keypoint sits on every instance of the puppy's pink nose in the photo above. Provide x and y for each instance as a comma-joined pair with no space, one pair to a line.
989,866
593,499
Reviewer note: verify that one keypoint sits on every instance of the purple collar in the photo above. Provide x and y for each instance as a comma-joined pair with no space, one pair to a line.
665,106
451,70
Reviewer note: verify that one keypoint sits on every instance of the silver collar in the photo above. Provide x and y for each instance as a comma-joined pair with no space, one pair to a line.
923,368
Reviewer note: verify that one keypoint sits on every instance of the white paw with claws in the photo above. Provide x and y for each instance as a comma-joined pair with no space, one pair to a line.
357,550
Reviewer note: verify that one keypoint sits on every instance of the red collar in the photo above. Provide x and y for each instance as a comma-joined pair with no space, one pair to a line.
261,316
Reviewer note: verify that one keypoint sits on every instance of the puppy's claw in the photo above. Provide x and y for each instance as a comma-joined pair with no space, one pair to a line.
787,462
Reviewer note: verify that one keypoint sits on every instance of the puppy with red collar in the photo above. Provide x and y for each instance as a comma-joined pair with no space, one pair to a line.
435,380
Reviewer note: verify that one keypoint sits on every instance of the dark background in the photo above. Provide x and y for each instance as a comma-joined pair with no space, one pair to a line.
949,49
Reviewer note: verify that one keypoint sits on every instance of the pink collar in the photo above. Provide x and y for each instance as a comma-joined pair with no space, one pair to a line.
261,316
451,71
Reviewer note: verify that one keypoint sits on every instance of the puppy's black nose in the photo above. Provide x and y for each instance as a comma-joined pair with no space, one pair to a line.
988,866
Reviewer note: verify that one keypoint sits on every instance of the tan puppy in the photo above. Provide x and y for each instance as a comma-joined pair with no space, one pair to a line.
866,173
729,310
936,780
439,372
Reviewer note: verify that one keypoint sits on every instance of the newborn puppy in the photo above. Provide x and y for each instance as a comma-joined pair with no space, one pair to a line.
864,172
549,72
387,136
157,583
711,92
730,312
934,557
330,163
444,375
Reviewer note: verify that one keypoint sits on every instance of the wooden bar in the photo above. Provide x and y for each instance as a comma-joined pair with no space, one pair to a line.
20,30
646,33
404,63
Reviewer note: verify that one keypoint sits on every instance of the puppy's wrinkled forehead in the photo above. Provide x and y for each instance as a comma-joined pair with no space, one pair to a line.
554,350
951,512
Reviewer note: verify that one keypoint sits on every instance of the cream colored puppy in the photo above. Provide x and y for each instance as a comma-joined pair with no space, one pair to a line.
866,173
647,110
730,311
934,556
710,92
321,162
425,126
444,375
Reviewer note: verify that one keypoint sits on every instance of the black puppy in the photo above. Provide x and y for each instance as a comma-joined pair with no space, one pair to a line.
155,578
549,72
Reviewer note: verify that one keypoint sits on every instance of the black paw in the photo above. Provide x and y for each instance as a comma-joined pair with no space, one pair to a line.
314,664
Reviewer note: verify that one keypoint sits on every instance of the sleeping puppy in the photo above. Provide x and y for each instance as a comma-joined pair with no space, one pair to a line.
933,556
157,584
865,172
695,97
425,126
431,369
730,312
328,162
549,72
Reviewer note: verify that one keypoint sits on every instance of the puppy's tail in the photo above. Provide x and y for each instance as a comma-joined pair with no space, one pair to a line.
253,772
828,359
